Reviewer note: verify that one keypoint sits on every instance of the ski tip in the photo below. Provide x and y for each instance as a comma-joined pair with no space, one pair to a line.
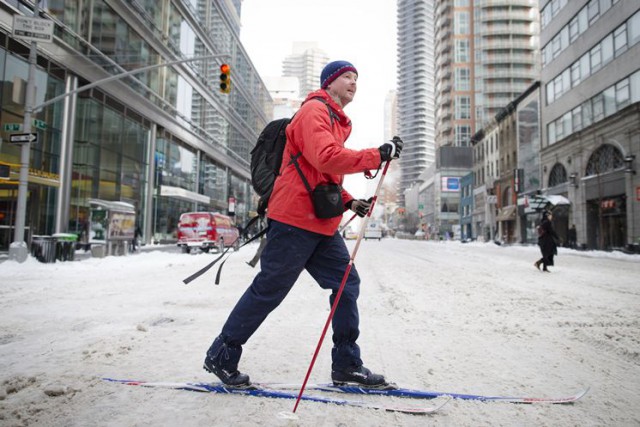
572,399
559,401
440,402
582,393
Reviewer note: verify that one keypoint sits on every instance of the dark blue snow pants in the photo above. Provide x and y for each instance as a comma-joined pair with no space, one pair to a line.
290,250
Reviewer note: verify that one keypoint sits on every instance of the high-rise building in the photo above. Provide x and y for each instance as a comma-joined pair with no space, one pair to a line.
163,142
590,111
415,89
487,53
306,63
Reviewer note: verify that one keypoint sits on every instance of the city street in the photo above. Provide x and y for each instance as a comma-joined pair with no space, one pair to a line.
467,318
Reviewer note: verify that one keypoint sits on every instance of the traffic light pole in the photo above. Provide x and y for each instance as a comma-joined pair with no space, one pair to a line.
18,250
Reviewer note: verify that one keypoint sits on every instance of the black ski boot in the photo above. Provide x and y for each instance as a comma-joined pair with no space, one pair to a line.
360,376
222,361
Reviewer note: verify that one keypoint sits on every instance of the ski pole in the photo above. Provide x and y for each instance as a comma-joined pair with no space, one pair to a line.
363,226
341,229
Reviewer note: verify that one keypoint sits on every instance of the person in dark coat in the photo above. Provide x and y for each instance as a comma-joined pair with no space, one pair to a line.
547,241
572,237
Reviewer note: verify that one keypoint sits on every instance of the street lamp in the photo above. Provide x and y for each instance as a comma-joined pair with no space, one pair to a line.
628,164
573,179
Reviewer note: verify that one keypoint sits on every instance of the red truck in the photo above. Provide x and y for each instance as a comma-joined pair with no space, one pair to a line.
206,231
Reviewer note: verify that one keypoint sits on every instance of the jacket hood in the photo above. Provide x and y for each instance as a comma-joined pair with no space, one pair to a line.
321,93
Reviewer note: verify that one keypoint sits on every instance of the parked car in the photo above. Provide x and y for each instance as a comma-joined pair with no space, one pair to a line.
373,231
206,231
350,234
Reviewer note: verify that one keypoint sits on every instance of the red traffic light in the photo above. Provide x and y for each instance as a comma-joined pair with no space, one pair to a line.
225,78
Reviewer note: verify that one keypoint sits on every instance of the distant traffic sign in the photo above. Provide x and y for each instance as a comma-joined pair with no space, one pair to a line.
33,28
13,127
23,137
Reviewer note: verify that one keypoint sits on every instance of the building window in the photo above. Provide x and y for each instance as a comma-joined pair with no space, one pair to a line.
461,23
607,49
587,113
551,133
622,94
463,107
634,81
609,97
463,134
634,29
620,39
598,107
462,79
577,118
606,158
558,175
592,11
596,58
462,50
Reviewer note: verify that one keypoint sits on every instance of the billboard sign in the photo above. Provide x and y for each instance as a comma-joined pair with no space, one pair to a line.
450,184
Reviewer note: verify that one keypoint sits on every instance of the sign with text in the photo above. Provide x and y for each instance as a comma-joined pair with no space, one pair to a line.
23,137
12,127
29,28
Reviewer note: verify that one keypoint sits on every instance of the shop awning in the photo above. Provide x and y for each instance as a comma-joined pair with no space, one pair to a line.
508,213
537,203
557,200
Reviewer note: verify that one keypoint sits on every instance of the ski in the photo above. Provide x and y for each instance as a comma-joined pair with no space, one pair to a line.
426,394
262,391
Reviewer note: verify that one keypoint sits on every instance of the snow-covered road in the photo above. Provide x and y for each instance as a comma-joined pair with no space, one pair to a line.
474,318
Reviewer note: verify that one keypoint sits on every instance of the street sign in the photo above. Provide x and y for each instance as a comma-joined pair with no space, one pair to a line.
23,137
39,124
13,127
29,28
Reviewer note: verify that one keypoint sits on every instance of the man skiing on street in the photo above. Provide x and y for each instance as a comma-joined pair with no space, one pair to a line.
300,238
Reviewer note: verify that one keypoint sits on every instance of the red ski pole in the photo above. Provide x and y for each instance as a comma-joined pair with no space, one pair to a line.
344,281
341,229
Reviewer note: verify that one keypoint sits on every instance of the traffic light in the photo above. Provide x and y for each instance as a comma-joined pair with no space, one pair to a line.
225,78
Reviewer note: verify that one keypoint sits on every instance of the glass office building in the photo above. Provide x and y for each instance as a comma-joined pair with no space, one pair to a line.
165,141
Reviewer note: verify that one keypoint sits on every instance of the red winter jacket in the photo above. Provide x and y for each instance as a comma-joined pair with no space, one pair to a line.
324,160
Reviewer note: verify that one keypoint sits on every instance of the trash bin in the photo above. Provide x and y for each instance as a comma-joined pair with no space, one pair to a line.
65,246
43,248
98,250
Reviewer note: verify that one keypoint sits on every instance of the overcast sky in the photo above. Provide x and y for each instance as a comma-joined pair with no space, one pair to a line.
362,32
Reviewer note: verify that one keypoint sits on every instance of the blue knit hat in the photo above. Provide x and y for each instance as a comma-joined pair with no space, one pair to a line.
333,70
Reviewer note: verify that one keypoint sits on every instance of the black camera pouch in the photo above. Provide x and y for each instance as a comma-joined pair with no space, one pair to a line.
327,200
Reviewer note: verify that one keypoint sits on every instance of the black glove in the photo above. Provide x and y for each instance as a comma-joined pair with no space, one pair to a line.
391,150
360,207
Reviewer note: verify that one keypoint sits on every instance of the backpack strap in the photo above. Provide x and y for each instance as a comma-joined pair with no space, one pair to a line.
212,263
332,114
294,159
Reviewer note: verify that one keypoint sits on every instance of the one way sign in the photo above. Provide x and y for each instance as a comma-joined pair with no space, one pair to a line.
23,137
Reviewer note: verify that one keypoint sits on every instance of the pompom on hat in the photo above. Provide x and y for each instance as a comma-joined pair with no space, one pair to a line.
333,70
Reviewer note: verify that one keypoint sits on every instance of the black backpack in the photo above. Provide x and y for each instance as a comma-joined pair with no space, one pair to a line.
266,157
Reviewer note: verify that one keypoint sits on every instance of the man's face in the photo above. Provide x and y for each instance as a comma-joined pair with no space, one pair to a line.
344,87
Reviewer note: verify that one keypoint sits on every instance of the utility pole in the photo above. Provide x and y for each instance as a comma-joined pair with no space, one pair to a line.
18,250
